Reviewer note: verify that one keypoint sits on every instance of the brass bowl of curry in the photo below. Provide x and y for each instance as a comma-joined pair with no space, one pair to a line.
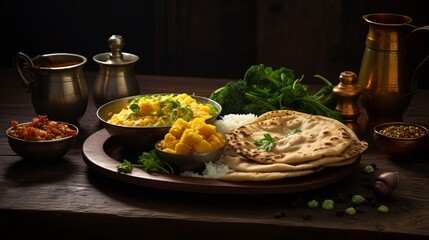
135,138
401,140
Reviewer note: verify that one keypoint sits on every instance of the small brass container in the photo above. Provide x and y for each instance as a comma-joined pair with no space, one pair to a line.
348,92
115,78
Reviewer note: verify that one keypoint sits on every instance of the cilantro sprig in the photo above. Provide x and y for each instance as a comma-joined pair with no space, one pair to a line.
266,143
149,162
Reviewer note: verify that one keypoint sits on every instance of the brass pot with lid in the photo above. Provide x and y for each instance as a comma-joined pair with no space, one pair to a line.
115,78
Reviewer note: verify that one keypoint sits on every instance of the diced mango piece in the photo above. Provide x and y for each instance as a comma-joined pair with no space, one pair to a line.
169,150
190,137
202,127
203,147
179,127
169,141
216,141
149,107
182,148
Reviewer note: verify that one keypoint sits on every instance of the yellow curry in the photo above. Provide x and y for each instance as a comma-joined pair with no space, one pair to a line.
161,110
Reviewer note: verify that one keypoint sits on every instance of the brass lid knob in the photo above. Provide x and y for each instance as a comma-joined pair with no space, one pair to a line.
116,42
115,56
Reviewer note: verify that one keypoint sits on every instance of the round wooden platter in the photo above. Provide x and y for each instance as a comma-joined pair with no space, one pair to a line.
102,154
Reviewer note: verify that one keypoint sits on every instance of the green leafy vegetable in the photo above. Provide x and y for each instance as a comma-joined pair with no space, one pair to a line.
265,143
148,161
264,89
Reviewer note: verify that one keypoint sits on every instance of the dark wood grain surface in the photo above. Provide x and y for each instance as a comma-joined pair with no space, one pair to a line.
68,200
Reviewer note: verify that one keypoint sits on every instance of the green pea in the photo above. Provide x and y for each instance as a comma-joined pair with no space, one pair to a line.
358,199
313,204
383,209
351,211
369,169
328,204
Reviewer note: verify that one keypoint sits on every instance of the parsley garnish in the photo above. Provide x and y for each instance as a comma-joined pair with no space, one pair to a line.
265,143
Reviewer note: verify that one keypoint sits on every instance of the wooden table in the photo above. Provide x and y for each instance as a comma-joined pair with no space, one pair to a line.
67,199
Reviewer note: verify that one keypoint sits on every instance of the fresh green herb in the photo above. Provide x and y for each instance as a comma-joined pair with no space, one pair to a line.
125,167
313,204
358,199
266,143
148,161
328,204
264,89
383,209
295,131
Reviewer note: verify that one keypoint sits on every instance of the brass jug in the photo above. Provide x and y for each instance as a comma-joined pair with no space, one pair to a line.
387,72
56,82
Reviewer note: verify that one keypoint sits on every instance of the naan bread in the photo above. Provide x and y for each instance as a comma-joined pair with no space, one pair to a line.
266,176
323,142
319,137
239,163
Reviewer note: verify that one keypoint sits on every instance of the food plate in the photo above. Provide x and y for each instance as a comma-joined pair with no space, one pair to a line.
103,153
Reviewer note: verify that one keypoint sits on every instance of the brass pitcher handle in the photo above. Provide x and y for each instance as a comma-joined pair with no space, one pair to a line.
423,62
28,63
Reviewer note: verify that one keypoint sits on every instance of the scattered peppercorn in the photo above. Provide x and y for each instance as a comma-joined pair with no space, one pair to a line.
402,131
340,198
373,203
350,211
328,204
339,213
374,165
279,214
360,209
383,209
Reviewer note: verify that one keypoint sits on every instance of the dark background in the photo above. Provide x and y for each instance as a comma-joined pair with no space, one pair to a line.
205,38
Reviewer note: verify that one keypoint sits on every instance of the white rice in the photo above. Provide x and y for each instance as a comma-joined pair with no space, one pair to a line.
213,170
232,121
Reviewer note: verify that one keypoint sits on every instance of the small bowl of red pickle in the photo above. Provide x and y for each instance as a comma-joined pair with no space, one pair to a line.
41,139
401,140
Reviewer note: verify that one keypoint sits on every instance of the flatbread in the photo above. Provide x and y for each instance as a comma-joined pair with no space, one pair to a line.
239,163
266,176
319,137
323,142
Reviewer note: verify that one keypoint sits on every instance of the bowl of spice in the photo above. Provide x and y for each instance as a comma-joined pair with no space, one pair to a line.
401,140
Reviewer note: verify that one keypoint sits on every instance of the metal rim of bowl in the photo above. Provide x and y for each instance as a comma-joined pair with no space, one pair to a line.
379,126
217,105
